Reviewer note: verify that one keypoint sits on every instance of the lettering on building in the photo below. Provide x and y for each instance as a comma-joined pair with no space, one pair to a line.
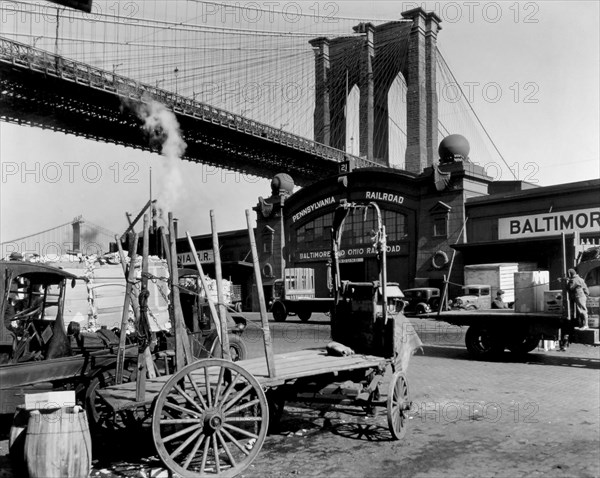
313,207
551,224
187,259
387,197
346,254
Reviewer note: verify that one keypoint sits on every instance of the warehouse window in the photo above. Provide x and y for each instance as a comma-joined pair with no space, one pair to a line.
268,236
440,227
440,214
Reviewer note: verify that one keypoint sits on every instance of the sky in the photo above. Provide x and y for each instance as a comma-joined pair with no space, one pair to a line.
531,70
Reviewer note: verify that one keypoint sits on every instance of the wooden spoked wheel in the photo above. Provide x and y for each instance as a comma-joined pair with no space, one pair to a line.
210,419
398,403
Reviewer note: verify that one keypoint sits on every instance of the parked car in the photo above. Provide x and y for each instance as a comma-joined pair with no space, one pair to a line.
421,300
37,351
201,329
476,296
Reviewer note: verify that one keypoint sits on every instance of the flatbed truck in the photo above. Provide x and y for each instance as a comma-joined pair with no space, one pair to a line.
492,331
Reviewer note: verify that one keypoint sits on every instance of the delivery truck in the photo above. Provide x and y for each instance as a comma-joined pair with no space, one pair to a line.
295,295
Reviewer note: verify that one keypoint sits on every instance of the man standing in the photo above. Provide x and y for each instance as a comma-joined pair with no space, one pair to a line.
578,293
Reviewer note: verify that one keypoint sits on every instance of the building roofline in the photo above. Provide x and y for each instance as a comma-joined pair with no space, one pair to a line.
221,235
535,192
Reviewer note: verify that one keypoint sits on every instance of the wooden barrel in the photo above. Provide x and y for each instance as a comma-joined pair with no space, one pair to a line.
58,443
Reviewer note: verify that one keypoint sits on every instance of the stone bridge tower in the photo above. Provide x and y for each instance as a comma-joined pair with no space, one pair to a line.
372,61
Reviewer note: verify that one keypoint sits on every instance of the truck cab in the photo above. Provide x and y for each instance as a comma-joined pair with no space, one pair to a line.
475,296
394,297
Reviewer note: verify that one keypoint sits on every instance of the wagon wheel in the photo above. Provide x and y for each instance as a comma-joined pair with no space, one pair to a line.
210,419
397,404
100,416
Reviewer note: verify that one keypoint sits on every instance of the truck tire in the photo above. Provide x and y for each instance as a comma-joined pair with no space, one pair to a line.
481,341
279,312
421,309
237,348
304,315
523,344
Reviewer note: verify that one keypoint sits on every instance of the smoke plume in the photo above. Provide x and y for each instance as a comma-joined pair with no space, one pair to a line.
163,129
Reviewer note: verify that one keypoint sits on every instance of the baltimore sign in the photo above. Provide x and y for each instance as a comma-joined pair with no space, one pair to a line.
551,224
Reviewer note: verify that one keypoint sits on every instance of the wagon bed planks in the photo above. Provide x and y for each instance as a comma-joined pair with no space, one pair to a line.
289,366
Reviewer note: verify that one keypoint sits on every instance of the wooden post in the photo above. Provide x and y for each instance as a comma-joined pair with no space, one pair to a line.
129,291
211,305
143,328
165,244
134,297
183,353
445,292
384,310
219,279
261,300
282,249
565,289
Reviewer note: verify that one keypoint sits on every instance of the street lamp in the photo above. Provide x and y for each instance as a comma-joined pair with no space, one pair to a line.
176,72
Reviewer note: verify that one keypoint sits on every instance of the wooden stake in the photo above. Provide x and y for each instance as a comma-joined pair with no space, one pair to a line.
143,327
445,292
211,304
261,300
183,354
165,244
220,297
129,292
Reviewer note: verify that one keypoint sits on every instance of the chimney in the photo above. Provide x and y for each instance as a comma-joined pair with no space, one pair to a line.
77,233
175,223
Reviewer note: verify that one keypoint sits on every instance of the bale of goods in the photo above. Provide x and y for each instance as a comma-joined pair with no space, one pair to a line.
58,443
593,308
529,290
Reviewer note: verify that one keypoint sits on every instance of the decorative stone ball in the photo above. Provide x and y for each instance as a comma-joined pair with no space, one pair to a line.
282,183
454,147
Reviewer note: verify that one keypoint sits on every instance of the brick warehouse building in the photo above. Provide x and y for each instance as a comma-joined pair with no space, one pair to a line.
431,208
423,223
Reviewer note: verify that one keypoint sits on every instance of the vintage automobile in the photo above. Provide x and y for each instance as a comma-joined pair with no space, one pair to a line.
37,351
394,297
476,296
421,300
203,335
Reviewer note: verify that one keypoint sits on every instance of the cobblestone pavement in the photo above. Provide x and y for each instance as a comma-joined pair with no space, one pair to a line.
538,416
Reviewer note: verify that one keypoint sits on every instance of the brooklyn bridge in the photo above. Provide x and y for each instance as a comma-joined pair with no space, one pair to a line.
252,97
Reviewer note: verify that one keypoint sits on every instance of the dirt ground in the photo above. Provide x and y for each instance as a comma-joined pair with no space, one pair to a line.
504,418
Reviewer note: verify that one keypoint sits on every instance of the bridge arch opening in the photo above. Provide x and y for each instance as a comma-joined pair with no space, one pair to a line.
353,121
397,123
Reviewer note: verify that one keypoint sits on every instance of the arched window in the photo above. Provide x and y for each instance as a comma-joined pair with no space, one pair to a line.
356,230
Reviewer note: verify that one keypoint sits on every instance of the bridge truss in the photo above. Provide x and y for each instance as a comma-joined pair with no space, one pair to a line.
41,89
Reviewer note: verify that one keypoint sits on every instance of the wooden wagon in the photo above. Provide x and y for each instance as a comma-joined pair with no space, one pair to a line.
211,417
